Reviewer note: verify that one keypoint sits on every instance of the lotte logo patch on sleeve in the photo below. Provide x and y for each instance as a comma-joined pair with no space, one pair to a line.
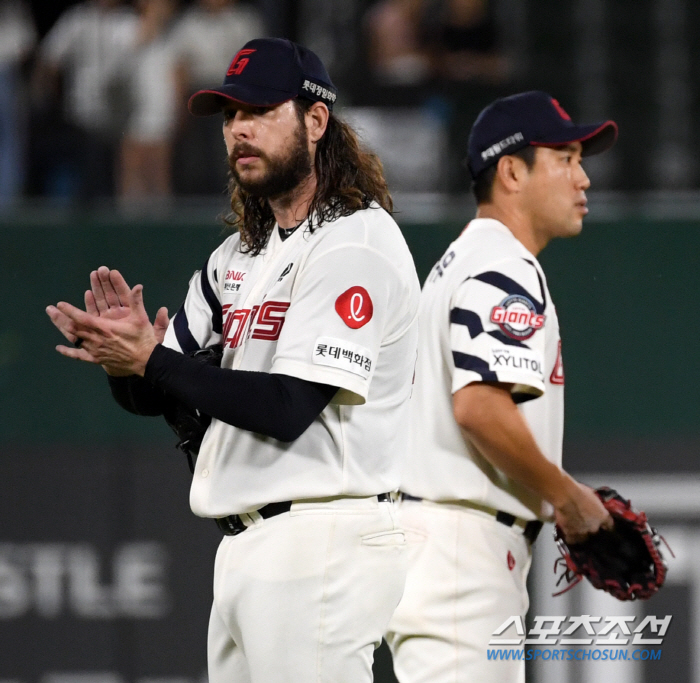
354,306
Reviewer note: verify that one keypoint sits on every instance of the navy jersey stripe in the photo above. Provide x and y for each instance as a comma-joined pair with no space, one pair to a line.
505,339
187,342
213,301
474,364
462,316
509,286
539,278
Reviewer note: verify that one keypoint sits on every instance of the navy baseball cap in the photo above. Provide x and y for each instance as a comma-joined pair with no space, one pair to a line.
267,72
530,118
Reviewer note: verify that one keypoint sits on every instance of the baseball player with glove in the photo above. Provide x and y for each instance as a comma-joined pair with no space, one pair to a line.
484,467
314,301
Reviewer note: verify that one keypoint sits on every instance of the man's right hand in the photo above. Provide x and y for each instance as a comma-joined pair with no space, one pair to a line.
580,513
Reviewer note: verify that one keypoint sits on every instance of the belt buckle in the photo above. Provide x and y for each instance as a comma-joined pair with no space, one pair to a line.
231,525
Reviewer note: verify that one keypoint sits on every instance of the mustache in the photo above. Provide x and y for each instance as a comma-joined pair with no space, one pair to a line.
244,149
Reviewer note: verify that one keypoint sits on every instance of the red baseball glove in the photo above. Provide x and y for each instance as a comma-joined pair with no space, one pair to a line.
625,561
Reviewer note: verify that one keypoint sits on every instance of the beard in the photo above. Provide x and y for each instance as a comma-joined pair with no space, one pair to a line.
282,174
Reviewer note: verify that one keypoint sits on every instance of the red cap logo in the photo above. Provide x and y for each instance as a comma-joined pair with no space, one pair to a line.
510,560
354,307
240,61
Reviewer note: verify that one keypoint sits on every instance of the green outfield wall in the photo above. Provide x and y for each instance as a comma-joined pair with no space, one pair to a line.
624,293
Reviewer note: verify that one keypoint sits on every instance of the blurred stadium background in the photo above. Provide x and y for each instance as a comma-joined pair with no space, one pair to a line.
105,576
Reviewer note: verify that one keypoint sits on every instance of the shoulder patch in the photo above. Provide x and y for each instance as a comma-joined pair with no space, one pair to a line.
510,358
355,308
518,317
344,355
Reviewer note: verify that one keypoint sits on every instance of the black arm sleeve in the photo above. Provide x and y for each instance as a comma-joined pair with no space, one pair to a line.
274,405
137,395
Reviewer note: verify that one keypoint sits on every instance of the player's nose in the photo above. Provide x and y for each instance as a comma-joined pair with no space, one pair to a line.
582,180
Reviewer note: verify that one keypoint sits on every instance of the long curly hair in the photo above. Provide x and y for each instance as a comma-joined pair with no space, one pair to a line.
348,178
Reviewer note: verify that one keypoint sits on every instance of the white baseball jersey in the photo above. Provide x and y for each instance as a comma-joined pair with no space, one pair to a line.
337,306
485,316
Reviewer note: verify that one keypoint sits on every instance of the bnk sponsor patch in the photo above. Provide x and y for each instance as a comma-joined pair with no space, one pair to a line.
515,359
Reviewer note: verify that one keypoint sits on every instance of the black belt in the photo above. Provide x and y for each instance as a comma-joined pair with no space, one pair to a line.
234,525
531,530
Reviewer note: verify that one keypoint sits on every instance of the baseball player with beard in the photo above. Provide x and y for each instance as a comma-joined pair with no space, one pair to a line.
484,467
315,301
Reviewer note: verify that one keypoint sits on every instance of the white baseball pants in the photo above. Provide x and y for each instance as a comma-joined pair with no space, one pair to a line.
306,596
467,574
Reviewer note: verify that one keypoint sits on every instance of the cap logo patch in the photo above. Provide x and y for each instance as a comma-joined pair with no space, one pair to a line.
499,147
355,307
560,110
240,61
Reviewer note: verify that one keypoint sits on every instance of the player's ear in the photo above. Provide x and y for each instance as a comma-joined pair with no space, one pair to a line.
510,172
316,121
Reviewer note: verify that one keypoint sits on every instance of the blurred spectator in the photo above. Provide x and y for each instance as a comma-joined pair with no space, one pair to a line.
78,60
150,89
396,54
464,42
469,68
17,38
206,39
210,33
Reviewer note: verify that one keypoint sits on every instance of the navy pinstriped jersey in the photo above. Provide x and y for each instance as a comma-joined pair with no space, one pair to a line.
485,316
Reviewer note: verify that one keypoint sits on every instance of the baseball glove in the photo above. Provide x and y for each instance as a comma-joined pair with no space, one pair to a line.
188,423
625,561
